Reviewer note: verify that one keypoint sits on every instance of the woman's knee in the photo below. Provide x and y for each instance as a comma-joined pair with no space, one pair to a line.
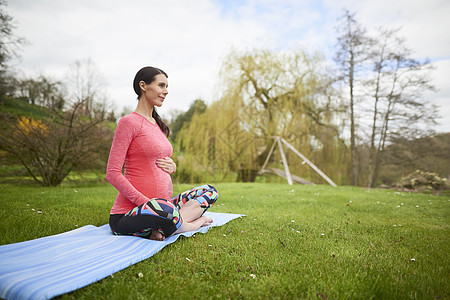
213,194
156,214
166,210
207,195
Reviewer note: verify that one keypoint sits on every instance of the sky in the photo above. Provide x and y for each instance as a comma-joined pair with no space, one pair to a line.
190,39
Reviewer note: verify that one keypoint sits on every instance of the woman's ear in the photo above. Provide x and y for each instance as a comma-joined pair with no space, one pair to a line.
142,85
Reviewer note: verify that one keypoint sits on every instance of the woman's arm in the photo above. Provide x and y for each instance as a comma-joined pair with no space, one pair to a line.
123,137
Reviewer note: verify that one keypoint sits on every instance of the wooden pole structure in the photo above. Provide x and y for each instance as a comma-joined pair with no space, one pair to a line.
268,156
285,163
305,160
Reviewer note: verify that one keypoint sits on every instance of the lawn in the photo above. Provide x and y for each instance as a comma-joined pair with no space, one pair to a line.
296,242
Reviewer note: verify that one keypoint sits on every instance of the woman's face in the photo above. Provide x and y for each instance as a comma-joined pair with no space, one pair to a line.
156,91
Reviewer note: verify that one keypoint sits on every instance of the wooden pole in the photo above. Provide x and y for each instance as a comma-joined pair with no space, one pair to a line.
283,158
307,161
268,156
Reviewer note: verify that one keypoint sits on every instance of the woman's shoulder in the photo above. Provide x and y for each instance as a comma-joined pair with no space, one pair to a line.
131,122
131,118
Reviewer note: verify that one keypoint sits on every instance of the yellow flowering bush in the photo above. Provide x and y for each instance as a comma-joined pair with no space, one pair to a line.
29,125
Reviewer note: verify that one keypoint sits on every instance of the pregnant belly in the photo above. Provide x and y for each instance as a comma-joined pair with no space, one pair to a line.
156,185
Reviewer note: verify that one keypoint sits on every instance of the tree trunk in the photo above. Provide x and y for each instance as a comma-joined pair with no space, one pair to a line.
353,151
373,153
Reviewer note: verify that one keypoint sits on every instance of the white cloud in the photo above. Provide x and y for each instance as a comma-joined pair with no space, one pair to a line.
190,39
442,96
185,39
424,23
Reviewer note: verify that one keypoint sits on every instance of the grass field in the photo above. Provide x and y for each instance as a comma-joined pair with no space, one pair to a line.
296,242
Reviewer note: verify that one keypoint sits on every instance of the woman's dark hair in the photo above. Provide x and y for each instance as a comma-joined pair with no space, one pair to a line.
147,75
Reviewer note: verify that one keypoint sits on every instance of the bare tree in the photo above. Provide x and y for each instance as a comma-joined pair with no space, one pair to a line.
59,140
387,84
9,46
351,55
41,91
86,85
398,104
50,149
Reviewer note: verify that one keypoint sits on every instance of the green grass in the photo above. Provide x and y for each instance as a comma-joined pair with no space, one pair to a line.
17,107
300,242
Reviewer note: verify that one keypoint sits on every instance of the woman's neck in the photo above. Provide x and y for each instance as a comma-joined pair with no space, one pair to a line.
145,110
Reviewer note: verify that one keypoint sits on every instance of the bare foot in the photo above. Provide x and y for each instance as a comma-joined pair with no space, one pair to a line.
194,225
157,236
207,221
191,211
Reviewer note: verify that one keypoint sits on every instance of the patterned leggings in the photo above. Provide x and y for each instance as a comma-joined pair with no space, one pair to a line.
160,214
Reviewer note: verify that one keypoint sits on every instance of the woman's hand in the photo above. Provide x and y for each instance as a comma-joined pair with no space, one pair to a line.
167,165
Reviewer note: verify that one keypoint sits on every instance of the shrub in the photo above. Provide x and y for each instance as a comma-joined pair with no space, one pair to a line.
420,180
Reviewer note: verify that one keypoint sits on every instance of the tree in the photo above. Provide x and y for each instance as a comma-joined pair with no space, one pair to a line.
398,85
9,45
386,86
405,155
198,106
41,91
50,149
351,54
265,94
63,139
85,84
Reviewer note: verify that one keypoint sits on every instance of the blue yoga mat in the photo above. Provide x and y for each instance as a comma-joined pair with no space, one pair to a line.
50,266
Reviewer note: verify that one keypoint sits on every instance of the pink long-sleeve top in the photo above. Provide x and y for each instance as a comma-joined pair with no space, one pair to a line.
136,146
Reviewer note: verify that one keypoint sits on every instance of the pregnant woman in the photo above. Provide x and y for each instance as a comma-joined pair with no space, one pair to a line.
144,205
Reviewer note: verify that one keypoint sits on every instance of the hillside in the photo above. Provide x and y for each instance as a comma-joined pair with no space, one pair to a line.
18,107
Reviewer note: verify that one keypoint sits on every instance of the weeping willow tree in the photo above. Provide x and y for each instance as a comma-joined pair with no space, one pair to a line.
265,94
